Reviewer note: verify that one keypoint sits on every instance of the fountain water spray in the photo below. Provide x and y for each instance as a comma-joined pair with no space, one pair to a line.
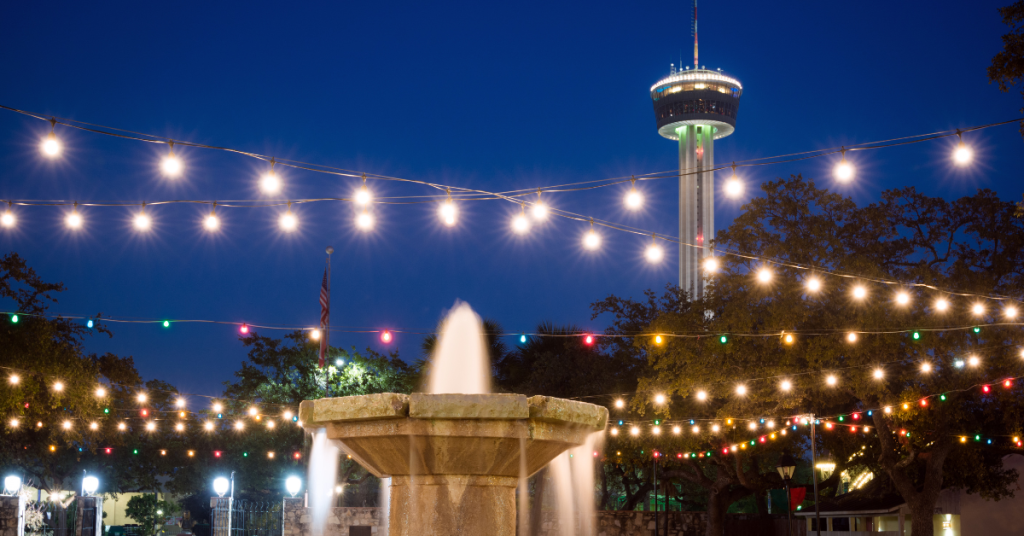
323,475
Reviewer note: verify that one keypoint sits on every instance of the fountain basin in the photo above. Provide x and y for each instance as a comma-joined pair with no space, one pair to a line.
454,460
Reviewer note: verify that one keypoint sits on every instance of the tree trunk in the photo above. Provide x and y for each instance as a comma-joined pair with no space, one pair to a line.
717,506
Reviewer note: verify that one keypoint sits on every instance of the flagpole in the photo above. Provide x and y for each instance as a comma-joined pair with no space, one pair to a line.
327,331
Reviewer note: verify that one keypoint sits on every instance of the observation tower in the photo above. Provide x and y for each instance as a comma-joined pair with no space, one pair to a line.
695,107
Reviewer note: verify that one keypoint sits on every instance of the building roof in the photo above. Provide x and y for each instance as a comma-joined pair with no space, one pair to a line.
858,506
696,75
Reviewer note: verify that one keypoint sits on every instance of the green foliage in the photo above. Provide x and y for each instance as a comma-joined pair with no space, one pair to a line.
149,512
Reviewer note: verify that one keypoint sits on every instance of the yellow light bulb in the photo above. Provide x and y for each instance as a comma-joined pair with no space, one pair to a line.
121,426
978,309
73,220
813,284
540,210
363,196
591,240
270,183
702,395
659,399
288,221
634,431
364,221
101,392
764,275
141,398
843,170
620,403
860,292
902,298
448,212
711,265
634,199
8,219
941,305
179,427
314,334
520,224
208,426
180,402
211,222
51,146
926,367
963,154
879,374
741,390
654,253
831,380
1010,312
67,425
786,385
150,426
851,337
58,386
142,221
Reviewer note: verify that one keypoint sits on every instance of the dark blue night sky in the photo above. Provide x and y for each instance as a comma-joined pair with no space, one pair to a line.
495,96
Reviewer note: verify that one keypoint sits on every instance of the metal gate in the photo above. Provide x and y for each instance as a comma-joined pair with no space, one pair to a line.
250,518
49,518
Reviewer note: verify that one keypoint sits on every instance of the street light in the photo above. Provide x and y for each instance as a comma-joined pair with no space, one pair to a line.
12,484
90,484
786,467
293,484
221,485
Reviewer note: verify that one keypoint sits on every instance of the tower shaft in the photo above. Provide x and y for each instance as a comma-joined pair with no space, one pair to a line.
696,203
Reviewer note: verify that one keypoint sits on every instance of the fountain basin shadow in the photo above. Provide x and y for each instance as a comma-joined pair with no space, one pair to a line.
454,459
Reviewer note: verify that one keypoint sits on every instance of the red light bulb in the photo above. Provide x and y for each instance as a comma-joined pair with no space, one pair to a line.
298,455
856,416
244,330
1007,384
145,413
107,450
985,389
588,340
216,454
385,336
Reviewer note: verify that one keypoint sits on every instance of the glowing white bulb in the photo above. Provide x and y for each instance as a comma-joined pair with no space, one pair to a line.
902,298
239,425
843,170
520,224
51,147
58,386
620,403
786,385
314,334
814,284
270,425
677,430
701,395
634,199
208,426
270,183
860,292
733,187
656,430
635,431
101,392
591,240
659,399
973,361
540,210
217,406
180,402
851,337
941,304
122,426
364,221
831,380
711,265
715,428
978,309
695,429
211,222
7,220
179,427
14,379
963,154
926,367
142,221
752,425
74,220
1010,312
171,165
448,213
141,398
150,426
741,390
288,221
764,275
94,426
654,253
67,425
363,196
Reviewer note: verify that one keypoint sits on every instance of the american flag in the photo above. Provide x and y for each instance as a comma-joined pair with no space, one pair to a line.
325,316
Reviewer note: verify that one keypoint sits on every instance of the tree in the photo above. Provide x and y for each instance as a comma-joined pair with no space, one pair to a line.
1008,66
149,512
973,245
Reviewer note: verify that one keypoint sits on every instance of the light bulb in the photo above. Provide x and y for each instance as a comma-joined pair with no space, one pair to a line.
902,298
741,390
963,154
843,170
591,240
1010,312
786,385
171,164
764,275
941,305
94,426
702,395
58,386
142,221
448,213
831,380
142,397
711,265
851,337
973,361
7,220
634,199
150,426
978,309
101,392
239,425
179,427
520,224
926,367
180,402
656,430
314,334
14,379
288,221
363,196
208,426
540,210
635,431
51,147
211,222
695,429
654,253
860,292
733,187
73,220
270,183
121,426
364,221
67,425
879,374
620,403
814,284
659,399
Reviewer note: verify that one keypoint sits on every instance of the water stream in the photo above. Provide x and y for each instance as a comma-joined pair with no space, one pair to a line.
323,474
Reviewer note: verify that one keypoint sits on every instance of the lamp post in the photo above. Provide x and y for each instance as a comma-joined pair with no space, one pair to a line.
786,467
12,485
293,484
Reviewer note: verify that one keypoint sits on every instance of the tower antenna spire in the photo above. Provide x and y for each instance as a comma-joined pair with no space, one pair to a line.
694,34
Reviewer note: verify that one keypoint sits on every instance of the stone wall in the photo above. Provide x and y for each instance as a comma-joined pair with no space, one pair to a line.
297,519
12,515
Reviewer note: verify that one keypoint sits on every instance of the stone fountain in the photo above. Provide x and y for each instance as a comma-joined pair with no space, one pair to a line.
454,459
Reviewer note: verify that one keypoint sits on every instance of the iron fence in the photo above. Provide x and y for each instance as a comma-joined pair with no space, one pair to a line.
250,518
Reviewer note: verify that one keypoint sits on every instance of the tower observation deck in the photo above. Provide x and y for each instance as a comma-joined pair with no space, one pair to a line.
696,107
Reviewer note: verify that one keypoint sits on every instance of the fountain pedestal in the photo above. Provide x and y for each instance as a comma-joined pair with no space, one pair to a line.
454,460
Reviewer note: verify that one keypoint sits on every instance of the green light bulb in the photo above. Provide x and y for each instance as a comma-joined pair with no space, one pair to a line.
723,339
135,451
917,335
14,319
977,329
167,324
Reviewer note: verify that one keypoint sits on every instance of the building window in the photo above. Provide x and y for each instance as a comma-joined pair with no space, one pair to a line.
840,524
